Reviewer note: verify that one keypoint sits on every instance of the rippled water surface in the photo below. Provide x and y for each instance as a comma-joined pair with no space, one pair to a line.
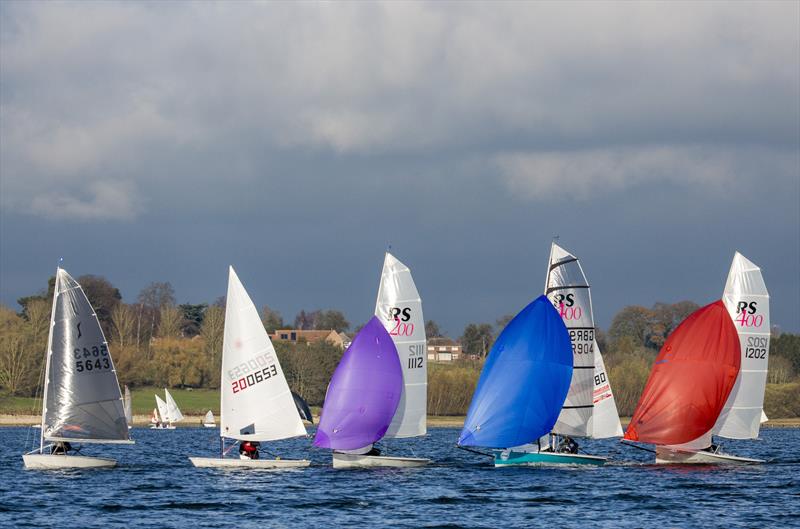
156,486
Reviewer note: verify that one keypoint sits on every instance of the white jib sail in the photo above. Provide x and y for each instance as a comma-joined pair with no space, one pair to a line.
173,410
256,403
747,301
163,411
128,406
399,308
82,401
568,290
605,417
209,418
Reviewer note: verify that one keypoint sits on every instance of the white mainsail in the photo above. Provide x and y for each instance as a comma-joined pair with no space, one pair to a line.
399,308
128,406
173,411
590,409
605,417
747,301
162,410
209,418
256,403
82,400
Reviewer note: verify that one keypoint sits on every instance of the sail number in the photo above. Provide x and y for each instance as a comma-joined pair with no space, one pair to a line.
91,359
756,347
582,341
250,373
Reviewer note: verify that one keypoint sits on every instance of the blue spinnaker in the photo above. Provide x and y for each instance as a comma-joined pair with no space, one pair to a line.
524,381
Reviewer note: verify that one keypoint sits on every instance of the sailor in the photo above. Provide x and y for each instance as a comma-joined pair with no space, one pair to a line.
61,448
568,446
249,449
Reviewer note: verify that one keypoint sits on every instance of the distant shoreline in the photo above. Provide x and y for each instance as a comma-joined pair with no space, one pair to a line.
195,421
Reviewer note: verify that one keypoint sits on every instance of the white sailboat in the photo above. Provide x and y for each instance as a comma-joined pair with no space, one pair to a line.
399,308
82,402
208,420
256,404
161,414
173,411
128,406
589,410
747,301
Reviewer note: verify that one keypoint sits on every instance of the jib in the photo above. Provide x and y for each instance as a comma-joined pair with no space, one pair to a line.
396,312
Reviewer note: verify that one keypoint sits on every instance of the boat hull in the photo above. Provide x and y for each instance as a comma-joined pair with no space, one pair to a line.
153,427
509,458
364,461
60,461
209,425
218,462
671,456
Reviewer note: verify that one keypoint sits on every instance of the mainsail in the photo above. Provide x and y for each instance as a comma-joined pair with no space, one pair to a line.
81,393
209,418
173,411
364,392
256,403
162,410
524,381
747,301
691,379
400,310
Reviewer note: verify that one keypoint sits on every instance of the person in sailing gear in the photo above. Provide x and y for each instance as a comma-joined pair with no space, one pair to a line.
568,446
61,448
249,449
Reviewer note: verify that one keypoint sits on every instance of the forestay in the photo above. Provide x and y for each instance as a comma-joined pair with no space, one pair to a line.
524,381
399,308
568,291
747,301
256,403
82,397
173,411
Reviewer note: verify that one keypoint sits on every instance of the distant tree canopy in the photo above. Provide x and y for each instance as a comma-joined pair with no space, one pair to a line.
271,319
192,318
477,339
432,329
321,320
649,327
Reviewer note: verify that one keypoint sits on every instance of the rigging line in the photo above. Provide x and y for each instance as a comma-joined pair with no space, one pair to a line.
474,451
637,446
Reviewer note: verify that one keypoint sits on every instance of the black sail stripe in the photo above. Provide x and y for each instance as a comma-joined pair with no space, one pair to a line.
562,263
550,289
577,407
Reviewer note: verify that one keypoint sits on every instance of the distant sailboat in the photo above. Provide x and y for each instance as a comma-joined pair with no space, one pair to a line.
163,420
709,377
82,402
521,391
256,404
208,420
361,401
173,411
128,405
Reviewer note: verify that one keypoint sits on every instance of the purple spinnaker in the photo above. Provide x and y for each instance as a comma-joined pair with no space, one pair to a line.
364,392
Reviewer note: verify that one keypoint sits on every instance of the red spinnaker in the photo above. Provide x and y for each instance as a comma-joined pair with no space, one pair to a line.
690,381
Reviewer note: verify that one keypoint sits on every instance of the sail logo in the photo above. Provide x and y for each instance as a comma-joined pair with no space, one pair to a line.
400,317
565,305
746,314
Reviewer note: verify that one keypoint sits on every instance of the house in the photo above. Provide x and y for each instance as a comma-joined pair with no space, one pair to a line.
339,339
443,350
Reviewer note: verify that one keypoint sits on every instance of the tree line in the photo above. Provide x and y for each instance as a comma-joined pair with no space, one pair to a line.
157,342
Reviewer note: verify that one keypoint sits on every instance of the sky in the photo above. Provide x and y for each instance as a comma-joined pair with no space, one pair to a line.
164,141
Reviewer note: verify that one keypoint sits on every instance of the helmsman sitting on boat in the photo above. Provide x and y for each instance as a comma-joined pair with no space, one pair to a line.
61,448
249,449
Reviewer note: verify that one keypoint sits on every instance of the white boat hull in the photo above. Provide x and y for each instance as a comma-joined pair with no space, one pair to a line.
209,425
361,461
154,427
218,462
667,456
60,461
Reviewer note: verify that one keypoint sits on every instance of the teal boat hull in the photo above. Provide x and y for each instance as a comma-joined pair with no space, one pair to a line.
509,458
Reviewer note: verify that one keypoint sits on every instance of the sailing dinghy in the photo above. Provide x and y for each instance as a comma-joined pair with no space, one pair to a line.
208,420
521,391
82,402
710,376
161,416
361,401
256,404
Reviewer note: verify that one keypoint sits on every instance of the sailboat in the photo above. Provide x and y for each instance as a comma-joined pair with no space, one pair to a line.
255,403
710,376
399,308
82,402
163,420
521,391
128,406
208,420
362,400
174,413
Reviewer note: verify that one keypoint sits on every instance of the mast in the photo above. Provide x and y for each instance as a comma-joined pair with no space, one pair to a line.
47,356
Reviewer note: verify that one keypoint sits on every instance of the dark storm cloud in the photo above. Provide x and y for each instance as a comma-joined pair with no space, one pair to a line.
163,141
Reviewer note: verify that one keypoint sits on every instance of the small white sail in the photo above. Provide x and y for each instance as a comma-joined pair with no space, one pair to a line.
568,290
154,416
399,308
82,400
256,402
764,417
173,411
209,418
128,406
747,301
605,417
163,411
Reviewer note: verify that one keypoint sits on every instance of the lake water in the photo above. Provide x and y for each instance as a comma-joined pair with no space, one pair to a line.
156,486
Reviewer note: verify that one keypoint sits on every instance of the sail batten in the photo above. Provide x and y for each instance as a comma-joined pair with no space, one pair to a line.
399,308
